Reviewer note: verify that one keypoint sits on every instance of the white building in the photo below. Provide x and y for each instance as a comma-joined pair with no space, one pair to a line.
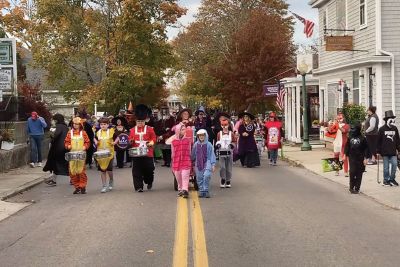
370,73
294,107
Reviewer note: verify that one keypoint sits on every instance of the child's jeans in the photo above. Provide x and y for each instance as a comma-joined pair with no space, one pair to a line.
182,177
203,180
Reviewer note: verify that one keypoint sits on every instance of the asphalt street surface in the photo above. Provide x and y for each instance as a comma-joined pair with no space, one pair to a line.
272,216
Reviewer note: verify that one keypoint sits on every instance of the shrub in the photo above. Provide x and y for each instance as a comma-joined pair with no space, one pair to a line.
354,113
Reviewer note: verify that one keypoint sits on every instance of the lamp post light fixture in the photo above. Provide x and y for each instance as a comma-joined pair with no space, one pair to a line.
304,69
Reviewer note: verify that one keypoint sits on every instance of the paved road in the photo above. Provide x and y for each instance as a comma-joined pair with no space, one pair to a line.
272,216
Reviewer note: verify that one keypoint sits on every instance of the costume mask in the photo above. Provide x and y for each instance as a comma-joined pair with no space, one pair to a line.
355,130
390,122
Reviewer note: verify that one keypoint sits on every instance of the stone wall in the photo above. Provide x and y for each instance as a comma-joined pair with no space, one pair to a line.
20,155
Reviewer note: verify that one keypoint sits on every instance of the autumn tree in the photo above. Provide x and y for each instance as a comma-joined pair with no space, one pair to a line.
232,47
99,49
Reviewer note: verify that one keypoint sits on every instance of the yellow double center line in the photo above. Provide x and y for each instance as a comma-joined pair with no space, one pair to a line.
200,256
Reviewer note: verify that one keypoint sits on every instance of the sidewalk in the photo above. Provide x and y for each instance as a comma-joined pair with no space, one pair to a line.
311,160
17,181
21,179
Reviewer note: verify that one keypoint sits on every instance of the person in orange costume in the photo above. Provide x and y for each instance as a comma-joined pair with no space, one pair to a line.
340,141
77,140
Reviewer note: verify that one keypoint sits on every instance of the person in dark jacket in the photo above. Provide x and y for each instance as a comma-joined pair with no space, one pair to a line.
356,150
56,162
371,133
388,146
122,145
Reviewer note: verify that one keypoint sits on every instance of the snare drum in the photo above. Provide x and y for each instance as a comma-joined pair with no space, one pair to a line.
224,152
75,155
102,154
138,152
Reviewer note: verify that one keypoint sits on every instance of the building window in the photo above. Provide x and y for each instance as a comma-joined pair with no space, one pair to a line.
363,13
341,15
356,87
325,18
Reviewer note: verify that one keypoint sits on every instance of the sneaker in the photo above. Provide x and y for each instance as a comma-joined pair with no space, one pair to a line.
32,164
150,186
83,190
222,185
180,193
104,189
140,190
270,162
386,183
346,174
201,194
77,191
185,194
228,184
207,195
355,192
39,164
51,182
274,164
393,182
110,184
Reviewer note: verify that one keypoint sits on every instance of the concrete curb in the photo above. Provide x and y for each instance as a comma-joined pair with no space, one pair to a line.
26,186
298,164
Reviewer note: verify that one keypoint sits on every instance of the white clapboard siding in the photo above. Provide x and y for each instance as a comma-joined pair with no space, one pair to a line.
391,43
364,38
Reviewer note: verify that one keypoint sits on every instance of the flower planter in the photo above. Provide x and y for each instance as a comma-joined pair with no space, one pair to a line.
7,145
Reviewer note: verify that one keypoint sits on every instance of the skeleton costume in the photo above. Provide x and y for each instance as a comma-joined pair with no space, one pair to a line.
225,144
388,146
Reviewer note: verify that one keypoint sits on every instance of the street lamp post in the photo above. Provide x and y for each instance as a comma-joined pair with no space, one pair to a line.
303,69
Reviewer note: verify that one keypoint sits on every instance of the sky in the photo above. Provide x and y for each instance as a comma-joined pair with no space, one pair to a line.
299,7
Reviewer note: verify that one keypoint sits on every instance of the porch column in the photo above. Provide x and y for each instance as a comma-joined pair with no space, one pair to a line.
298,113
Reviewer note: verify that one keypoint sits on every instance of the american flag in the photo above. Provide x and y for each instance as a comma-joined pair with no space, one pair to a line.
280,97
308,25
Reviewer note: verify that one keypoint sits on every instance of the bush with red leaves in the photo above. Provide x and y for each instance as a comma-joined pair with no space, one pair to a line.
31,101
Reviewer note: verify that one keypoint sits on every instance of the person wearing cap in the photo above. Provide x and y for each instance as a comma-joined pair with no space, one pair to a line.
77,140
204,160
248,151
35,129
202,121
273,131
388,147
143,135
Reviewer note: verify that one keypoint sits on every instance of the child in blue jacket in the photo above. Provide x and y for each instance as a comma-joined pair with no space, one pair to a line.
204,160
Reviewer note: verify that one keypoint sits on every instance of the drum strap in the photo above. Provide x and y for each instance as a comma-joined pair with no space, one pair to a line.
140,134
73,137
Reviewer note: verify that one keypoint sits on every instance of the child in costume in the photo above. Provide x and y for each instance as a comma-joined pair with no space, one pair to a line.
104,141
356,151
273,137
204,160
225,144
181,159
143,136
77,140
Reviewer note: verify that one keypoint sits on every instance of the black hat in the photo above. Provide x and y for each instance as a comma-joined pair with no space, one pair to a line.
389,114
141,112
183,110
241,115
222,114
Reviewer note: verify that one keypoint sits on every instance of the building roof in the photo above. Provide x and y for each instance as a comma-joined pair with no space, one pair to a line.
299,80
317,3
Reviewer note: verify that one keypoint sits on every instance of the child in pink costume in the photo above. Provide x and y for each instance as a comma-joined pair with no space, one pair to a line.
181,162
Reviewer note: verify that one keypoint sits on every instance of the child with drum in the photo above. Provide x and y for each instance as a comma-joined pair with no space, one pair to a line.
77,142
105,153
204,160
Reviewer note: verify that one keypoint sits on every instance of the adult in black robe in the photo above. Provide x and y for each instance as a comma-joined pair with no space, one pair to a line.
248,152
